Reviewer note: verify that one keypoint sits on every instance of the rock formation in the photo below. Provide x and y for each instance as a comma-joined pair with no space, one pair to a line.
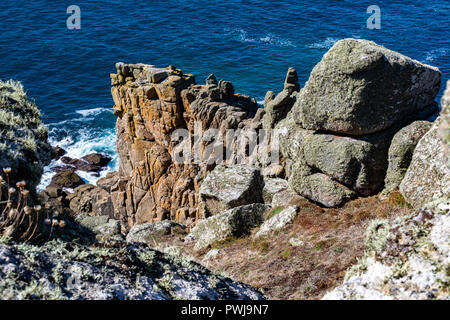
428,177
157,108
23,139
409,258
229,187
400,153
360,88
236,222
334,134
338,133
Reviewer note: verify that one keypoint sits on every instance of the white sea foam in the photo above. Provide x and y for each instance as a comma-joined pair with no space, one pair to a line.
242,35
93,112
80,142
324,44
435,54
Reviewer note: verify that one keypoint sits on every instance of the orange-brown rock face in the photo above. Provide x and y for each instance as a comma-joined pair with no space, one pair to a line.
156,107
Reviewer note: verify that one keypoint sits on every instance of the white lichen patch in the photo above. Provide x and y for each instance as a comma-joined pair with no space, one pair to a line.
405,259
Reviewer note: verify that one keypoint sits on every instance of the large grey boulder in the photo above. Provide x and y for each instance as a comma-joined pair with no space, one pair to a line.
236,222
151,232
400,153
359,163
320,188
332,169
68,271
428,176
360,87
228,187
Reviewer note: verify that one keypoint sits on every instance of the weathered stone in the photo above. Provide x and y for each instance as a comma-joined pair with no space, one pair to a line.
150,233
111,272
274,171
286,197
278,221
271,187
400,153
154,183
97,159
428,176
67,179
319,187
227,187
110,182
278,106
88,199
211,80
291,83
444,127
360,87
226,89
358,163
235,222
103,227
58,152
405,259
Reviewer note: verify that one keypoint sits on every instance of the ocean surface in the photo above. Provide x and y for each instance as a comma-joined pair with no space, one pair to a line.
251,43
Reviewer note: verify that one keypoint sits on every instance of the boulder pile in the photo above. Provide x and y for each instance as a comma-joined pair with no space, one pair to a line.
339,131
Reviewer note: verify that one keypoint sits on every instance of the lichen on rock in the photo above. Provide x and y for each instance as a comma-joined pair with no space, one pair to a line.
407,258
23,139
60,271
236,222
428,176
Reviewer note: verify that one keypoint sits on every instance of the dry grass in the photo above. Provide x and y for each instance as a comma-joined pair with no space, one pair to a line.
331,240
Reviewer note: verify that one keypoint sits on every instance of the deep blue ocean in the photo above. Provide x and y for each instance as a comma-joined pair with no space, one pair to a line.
251,43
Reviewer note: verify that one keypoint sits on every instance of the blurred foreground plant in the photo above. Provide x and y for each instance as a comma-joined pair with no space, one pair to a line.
20,220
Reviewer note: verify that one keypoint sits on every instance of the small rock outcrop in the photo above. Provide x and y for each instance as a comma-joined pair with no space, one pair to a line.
23,139
360,87
235,222
66,179
227,187
400,153
67,271
277,107
279,221
428,177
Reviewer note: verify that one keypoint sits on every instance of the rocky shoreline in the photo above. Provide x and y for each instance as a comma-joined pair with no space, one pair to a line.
202,166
